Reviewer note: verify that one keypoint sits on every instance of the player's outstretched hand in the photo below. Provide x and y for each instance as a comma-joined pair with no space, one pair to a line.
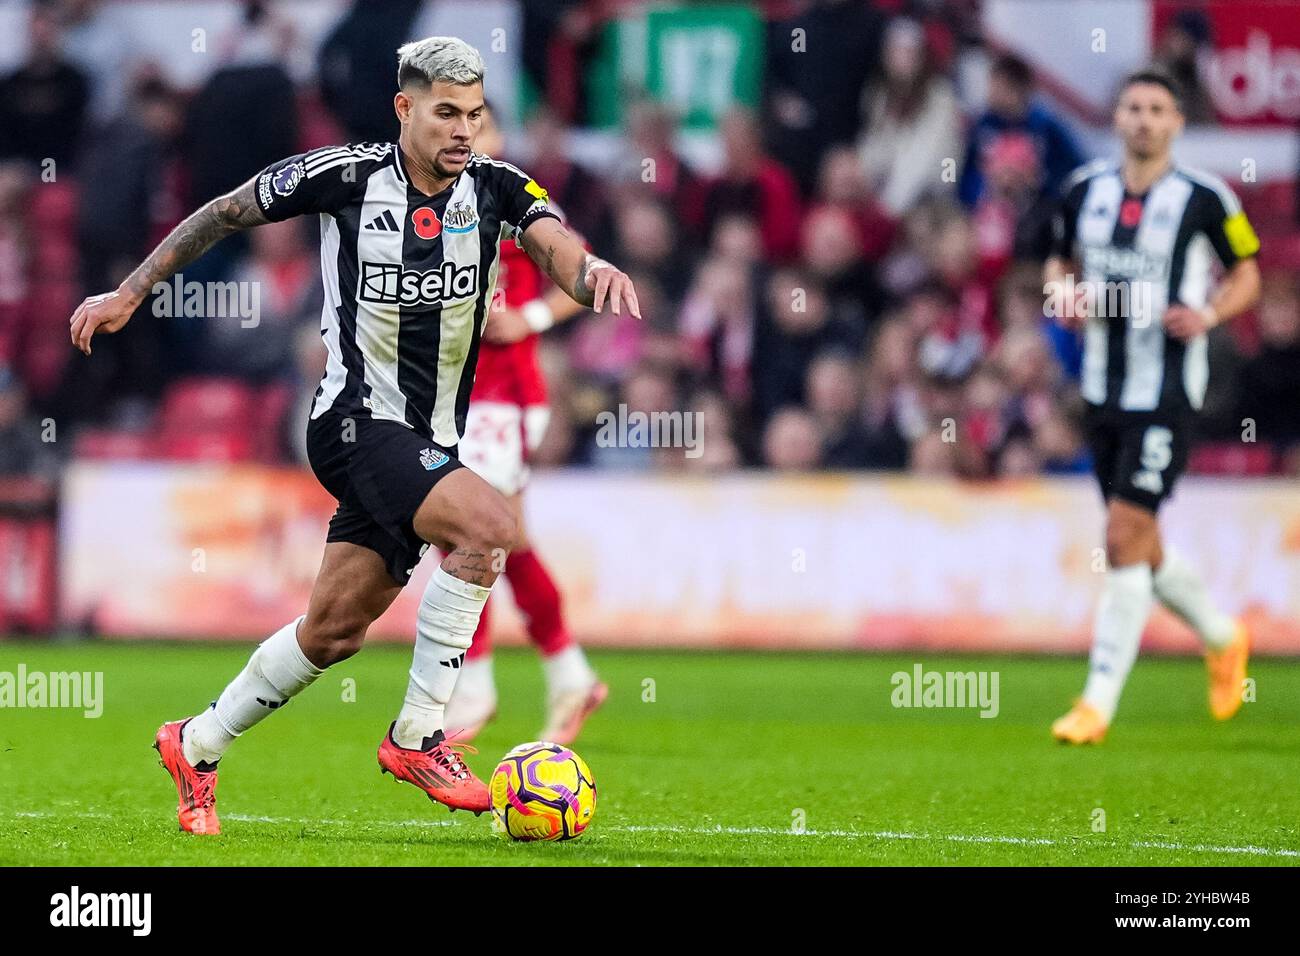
1184,322
612,285
505,326
107,312
1069,304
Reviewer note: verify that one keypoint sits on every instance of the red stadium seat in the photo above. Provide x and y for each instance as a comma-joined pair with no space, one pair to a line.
316,127
205,446
1270,206
1280,253
273,404
208,405
208,419
1233,459
42,364
107,444
1279,197
54,256
52,209
58,297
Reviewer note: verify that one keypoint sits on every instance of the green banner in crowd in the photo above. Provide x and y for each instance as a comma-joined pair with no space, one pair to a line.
699,60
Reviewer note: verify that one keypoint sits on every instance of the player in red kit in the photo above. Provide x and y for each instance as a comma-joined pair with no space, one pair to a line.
508,415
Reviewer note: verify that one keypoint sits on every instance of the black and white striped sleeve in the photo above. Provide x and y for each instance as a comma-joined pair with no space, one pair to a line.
521,200
1224,223
321,180
1065,218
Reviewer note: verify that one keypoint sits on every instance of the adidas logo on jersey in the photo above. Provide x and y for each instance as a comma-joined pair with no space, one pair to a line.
388,283
383,223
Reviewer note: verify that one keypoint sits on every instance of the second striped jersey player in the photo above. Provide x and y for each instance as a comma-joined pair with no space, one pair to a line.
1158,248
1138,245
1141,255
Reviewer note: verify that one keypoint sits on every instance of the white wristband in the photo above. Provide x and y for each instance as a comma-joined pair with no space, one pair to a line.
538,315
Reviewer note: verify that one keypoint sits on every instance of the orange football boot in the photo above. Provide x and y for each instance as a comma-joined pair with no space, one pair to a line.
196,789
1227,672
1082,725
438,769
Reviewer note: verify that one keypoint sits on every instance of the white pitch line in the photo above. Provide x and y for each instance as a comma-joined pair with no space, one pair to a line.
1249,850
1253,850
959,838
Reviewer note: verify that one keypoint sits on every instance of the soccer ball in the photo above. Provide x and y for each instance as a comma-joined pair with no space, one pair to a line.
542,791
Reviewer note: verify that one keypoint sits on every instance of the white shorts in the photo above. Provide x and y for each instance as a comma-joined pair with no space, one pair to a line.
498,439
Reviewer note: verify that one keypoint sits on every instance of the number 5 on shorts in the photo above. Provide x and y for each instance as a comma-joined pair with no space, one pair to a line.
1157,450
1157,453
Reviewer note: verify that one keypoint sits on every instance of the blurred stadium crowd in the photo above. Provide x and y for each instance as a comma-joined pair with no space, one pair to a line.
855,287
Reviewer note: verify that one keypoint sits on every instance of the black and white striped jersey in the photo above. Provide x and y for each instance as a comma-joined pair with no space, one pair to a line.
408,277
1143,254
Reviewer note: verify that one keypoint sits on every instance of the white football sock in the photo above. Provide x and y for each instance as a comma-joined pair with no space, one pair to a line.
1122,613
277,671
1181,589
567,670
445,625
476,680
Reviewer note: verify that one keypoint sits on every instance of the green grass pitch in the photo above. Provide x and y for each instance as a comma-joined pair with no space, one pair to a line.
733,753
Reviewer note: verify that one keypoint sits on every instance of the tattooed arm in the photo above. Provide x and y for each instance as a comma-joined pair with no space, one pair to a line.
110,311
588,280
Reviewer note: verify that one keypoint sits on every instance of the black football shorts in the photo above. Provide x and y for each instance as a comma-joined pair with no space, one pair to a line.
1137,456
380,472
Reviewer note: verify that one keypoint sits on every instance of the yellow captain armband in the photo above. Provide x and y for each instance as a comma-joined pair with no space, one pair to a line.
1241,235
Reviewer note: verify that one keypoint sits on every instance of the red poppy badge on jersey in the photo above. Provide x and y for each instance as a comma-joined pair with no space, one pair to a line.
426,223
1130,213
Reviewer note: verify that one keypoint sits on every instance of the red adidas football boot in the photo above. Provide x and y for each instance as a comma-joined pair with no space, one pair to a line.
438,769
196,789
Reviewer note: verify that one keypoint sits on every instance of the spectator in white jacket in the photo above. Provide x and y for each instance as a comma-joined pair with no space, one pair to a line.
912,142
